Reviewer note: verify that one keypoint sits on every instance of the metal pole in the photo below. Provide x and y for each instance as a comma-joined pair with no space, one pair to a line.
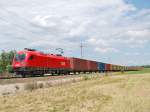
81,46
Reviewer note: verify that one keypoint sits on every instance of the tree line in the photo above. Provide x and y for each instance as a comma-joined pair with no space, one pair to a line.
6,59
146,66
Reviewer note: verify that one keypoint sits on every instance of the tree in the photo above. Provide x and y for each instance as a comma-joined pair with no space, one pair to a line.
6,59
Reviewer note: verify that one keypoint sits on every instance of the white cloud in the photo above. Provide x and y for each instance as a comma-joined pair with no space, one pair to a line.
42,21
98,42
106,26
145,33
106,50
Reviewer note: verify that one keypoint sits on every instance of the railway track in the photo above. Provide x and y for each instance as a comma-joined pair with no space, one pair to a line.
19,79
13,76
10,77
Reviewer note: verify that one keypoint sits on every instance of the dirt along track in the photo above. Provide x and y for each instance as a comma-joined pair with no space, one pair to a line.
13,80
8,78
14,85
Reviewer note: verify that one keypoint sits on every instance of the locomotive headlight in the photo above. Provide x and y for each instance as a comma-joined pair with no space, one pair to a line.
17,65
23,63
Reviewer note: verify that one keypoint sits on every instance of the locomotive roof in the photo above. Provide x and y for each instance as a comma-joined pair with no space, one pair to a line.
41,54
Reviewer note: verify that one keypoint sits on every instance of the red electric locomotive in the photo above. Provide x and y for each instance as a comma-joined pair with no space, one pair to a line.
30,61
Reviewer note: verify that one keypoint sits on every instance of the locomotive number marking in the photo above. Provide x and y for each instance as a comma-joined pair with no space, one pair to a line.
63,63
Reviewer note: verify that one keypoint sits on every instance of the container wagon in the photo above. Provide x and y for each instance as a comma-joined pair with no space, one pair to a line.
78,65
101,66
108,67
92,66
82,65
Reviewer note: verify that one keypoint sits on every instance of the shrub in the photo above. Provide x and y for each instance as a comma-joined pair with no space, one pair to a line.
9,68
1,70
40,85
85,77
17,87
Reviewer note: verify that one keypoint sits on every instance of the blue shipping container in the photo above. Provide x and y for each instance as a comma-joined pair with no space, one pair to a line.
101,66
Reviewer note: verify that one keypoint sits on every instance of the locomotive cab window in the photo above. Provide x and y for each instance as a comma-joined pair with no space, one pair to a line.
20,57
31,57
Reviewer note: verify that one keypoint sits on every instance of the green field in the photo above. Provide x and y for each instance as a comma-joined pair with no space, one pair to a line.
145,70
120,93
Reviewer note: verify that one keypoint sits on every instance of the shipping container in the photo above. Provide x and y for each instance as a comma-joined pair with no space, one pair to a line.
118,68
101,66
121,68
114,68
92,65
132,68
108,67
78,65
124,68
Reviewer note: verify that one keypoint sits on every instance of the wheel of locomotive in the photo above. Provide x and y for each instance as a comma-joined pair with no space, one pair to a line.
52,73
59,73
23,74
63,72
42,74
68,72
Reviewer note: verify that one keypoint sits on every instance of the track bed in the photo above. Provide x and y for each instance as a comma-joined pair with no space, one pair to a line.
13,80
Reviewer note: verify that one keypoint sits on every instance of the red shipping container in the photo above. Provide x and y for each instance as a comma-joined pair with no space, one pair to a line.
108,67
77,64
92,66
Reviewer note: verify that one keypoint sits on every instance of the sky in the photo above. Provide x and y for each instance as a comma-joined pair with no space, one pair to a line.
111,31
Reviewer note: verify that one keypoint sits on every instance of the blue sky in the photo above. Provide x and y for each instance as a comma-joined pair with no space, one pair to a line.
113,31
140,3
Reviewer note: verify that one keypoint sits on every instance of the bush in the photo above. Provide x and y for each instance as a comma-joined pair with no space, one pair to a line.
40,85
6,59
9,68
86,77
1,70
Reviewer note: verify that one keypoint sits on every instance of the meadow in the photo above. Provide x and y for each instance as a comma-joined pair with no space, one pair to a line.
145,70
115,93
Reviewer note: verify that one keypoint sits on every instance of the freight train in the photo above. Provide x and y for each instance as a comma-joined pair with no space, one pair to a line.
30,61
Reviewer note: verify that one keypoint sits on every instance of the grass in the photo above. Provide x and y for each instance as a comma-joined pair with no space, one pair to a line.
121,93
145,70
32,86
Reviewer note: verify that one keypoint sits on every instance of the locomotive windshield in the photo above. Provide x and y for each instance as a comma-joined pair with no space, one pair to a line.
20,57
